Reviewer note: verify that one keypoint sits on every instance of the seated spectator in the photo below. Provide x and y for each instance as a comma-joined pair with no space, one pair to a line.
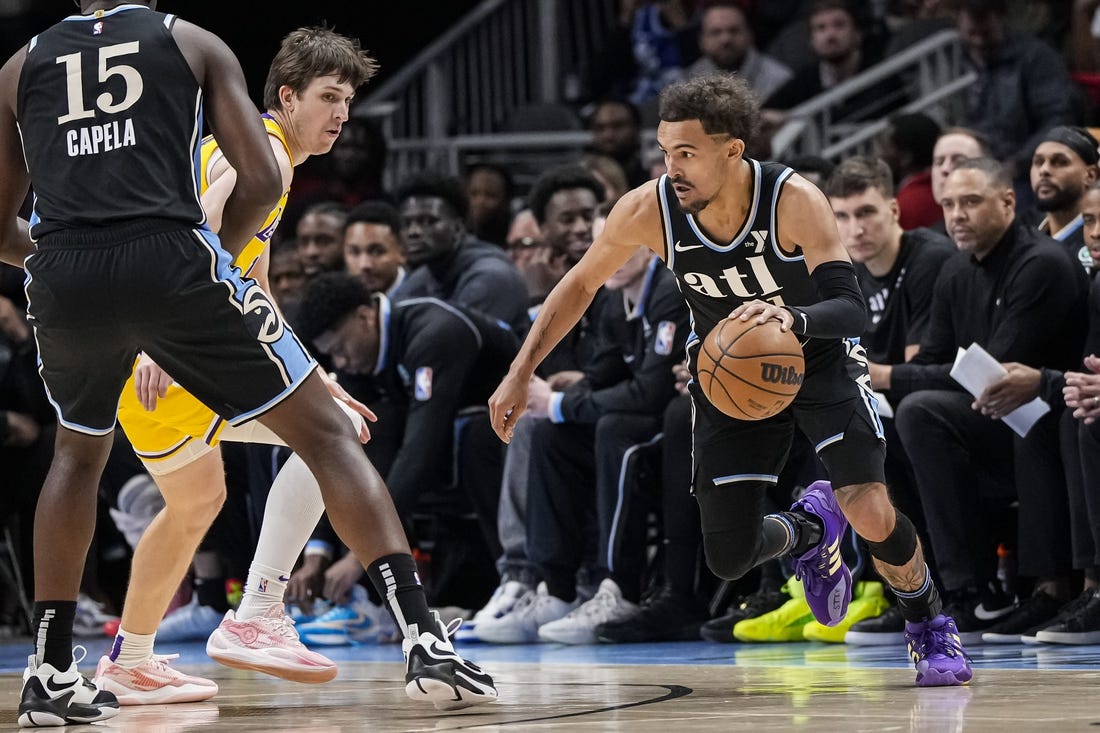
490,190
1076,622
373,251
727,44
1012,290
287,277
954,145
616,127
449,264
433,359
577,457
907,146
607,171
1023,88
837,42
319,238
1062,170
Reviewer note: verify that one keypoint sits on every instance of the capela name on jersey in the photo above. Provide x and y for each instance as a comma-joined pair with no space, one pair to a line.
100,138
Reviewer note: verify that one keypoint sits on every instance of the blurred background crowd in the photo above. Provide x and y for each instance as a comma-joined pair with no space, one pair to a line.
478,168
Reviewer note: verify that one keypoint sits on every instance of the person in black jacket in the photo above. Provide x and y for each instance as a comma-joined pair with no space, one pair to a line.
579,455
432,358
1020,296
449,264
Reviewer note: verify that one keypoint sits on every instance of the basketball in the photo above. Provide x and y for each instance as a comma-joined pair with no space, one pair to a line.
750,371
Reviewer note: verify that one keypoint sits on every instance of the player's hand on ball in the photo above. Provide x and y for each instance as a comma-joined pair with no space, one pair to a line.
151,382
763,311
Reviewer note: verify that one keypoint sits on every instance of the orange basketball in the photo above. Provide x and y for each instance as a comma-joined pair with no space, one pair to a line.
750,371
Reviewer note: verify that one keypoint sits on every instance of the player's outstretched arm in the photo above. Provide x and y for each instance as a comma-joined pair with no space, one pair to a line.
15,241
634,221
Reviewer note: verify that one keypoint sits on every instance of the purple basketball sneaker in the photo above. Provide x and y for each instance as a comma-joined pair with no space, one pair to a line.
937,652
826,578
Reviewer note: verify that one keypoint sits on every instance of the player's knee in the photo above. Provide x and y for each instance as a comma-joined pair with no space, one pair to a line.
198,511
899,546
727,557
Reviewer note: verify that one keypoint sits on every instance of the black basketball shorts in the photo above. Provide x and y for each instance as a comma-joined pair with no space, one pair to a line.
834,408
98,297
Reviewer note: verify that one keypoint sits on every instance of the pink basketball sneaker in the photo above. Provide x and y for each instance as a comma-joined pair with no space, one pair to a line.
268,644
152,682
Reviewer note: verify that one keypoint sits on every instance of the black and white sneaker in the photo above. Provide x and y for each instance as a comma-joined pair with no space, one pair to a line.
1066,611
436,673
887,629
53,698
1036,612
1080,627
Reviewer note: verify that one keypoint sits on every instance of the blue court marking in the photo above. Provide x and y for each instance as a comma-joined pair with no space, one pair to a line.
13,655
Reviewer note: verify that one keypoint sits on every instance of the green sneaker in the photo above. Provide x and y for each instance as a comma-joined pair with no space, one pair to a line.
784,623
869,602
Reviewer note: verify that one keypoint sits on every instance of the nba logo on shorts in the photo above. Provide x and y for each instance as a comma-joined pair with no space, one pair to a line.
422,385
666,330
263,585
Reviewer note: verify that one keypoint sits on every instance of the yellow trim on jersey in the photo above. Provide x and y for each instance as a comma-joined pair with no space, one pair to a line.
209,153
179,418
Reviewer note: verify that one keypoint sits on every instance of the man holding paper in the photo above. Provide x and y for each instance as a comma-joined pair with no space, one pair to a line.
1016,293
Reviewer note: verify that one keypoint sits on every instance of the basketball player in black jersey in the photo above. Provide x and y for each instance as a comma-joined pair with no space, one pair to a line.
105,111
752,240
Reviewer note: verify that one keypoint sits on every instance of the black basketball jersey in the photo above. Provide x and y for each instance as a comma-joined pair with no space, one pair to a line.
111,119
716,277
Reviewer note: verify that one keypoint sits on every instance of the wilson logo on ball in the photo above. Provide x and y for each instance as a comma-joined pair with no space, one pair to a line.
777,374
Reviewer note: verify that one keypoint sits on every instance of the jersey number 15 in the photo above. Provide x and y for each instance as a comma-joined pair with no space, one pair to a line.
105,101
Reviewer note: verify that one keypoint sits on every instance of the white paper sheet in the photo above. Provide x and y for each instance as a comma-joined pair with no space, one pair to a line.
975,369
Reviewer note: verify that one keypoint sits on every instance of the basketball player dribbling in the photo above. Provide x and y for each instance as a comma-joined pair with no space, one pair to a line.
104,111
753,240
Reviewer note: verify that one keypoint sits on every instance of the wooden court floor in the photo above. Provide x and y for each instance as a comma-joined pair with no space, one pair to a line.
666,688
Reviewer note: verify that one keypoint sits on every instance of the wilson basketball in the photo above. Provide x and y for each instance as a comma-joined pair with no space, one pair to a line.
750,371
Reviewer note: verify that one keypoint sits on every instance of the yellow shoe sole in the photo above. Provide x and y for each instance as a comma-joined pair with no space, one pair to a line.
869,603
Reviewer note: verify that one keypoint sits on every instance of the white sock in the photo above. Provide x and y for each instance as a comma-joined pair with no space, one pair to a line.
130,649
294,506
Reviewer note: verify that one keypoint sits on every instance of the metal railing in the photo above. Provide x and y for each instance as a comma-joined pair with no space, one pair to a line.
929,72
503,56
448,107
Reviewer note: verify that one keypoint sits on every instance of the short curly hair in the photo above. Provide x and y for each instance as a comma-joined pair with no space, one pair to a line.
724,103
561,178
329,299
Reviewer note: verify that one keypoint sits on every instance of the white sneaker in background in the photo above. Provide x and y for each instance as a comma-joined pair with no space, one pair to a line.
579,626
502,601
521,624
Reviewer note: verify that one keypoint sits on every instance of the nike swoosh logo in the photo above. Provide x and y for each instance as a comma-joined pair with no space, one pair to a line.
283,579
56,688
983,615
435,649
681,248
